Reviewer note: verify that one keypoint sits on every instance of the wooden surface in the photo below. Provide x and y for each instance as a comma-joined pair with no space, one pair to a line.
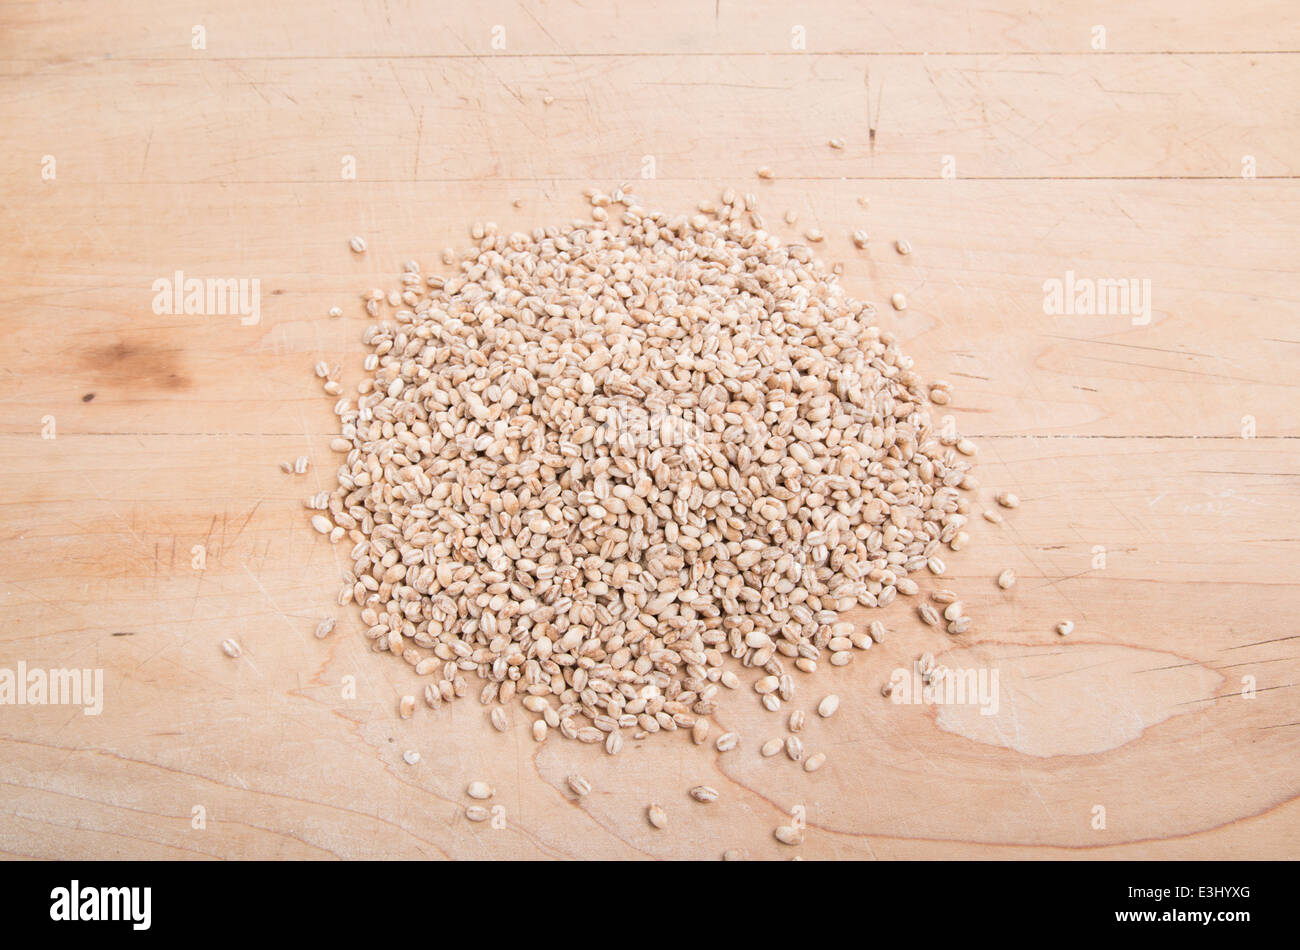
225,162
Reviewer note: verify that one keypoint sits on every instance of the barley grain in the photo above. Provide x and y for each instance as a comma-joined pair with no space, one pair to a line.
657,816
230,646
580,469
827,707
788,834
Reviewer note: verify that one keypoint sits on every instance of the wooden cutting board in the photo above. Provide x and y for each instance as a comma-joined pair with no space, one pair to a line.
145,518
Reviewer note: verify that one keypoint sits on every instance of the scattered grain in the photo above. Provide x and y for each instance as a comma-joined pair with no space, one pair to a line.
788,834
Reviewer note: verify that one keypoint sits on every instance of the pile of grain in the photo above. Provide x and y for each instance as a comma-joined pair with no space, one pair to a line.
598,461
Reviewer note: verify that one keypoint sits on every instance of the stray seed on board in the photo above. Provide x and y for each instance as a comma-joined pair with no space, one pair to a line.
1065,628
480,790
579,785
1006,578
411,757
797,719
814,762
993,516
902,247
301,464
765,172
703,793
230,646
500,721
787,834
861,239
477,813
727,741
657,816
336,311
406,707
836,143
794,748
899,301
1008,499
771,747
324,628
735,854
826,708
929,614
358,245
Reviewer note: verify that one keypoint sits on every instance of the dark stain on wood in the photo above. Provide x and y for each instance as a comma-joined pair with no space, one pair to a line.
136,365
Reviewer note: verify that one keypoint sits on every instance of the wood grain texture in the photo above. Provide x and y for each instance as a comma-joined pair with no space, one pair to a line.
1147,518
